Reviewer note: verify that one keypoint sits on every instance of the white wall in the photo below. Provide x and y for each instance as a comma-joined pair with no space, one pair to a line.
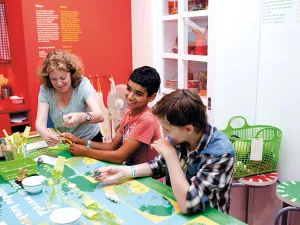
143,32
236,63
279,82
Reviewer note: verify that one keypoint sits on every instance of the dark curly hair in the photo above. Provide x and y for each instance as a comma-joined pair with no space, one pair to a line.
182,107
147,77
63,61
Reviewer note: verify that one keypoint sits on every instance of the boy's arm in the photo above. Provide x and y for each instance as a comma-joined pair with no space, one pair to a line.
114,145
215,174
180,185
118,156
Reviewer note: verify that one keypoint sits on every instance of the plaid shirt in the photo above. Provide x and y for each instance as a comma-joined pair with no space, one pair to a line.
213,178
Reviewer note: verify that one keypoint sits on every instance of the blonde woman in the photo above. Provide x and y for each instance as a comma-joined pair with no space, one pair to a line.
68,97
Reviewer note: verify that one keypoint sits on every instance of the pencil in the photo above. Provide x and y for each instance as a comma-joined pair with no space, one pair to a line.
68,140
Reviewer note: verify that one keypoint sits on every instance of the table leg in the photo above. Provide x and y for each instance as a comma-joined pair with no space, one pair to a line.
283,212
284,215
247,204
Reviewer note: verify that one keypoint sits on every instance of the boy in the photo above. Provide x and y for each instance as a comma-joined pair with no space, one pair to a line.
138,128
196,158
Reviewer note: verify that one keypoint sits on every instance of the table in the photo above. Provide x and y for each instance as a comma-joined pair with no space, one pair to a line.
143,201
289,194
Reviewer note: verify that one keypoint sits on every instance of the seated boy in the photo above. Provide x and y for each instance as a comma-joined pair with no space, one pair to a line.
138,128
196,158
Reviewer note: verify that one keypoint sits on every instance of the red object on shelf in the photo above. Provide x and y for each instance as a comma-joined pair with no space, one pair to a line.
6,106
201,50
173,84
173,6
17,101
193,83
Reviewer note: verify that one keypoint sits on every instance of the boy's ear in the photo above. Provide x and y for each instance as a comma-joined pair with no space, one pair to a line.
152,97
189,128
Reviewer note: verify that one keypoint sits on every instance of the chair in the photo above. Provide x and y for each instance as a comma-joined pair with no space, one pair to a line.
256,181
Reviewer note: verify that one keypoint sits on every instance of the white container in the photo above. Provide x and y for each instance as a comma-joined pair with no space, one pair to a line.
33,184
65,216
52,193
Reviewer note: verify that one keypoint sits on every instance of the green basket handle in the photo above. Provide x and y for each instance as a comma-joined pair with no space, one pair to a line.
230,128
268,128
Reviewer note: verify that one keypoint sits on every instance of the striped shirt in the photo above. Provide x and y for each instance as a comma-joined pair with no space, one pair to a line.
211,182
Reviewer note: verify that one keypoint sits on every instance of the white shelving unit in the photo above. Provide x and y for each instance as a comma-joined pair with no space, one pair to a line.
181,65
232,59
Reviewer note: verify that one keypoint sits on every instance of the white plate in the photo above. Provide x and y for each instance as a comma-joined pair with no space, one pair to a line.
65,216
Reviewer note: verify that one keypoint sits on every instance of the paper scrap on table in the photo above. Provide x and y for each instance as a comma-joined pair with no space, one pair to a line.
36,145
47,159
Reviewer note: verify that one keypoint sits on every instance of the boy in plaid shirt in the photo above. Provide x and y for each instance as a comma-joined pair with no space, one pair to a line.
197,159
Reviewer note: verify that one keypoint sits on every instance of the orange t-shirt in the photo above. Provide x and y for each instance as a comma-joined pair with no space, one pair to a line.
144,128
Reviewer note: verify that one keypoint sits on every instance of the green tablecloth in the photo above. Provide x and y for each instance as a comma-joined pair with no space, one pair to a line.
143,201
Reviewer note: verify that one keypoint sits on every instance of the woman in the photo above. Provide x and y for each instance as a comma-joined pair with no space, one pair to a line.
68,97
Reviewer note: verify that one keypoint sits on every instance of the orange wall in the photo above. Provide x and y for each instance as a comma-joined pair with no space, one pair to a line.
105,45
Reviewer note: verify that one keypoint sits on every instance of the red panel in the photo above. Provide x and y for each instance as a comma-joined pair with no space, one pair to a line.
105,43
5,124
17,70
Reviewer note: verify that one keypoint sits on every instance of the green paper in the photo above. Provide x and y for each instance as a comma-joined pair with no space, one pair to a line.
17,140
59,147
7,137
90,203
107,214
91,214
26,134
59,167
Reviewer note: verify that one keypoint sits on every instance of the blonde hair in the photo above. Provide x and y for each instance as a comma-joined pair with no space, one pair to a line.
63,61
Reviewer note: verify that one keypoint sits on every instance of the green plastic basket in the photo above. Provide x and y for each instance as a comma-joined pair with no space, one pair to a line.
10,170
241,139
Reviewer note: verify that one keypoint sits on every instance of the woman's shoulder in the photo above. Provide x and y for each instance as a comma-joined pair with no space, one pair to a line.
44,89
83,81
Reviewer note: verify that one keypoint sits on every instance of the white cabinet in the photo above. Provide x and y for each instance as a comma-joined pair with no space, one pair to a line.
185,46
232,59
231,29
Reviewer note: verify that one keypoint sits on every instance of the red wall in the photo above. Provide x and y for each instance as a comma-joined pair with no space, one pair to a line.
105,43
17,69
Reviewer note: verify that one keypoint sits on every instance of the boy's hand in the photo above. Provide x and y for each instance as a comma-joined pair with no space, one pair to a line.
163,147
111,173
72,137
78,150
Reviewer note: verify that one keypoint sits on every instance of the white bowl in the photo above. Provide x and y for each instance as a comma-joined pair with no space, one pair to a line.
65,216
33,184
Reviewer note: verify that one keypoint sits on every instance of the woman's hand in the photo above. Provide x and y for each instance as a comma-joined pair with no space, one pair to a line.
111,173
71,137
51,139
163,146
73,119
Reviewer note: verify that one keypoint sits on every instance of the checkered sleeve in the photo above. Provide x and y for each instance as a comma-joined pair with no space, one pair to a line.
213,176
158,167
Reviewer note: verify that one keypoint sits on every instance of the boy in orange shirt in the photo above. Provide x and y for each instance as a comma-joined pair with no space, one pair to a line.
138,128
